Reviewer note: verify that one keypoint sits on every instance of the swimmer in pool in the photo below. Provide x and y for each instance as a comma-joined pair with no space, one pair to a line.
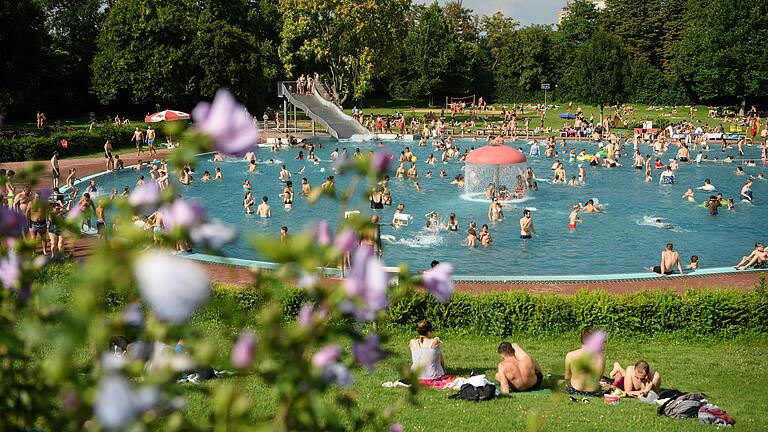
573,181
573,218
707,186
663,225
591,207
526,225
248,202
284,175
746,191
471,239
495,213
485,236
690,194
694,265
217,157
206,176
218,175
247,184
582,174
264,210
400,172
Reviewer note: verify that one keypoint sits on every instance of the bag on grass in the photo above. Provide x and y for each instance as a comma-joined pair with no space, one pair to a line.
713,415
472,393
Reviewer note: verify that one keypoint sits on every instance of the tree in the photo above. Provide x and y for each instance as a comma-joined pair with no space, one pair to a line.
499,35
526,61
600,72
463,20
432,60
638,25
580,23
350,40
179,52
673,12
73,26
22,40
722,54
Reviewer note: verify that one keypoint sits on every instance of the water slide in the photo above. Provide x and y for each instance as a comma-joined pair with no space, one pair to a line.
319,107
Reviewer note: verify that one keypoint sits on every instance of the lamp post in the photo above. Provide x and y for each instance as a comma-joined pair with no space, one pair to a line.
545,87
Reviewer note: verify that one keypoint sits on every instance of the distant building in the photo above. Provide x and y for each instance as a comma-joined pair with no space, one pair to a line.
566,10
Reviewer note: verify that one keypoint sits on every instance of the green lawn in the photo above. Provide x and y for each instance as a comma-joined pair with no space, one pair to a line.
730,372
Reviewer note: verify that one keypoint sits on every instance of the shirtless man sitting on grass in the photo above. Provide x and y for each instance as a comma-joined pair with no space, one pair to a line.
584,367
517,370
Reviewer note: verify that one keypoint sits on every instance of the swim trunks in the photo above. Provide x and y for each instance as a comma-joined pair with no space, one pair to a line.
657,269
573,391
683,159
40,227
150,141
525,237
572,226
107,155
100,226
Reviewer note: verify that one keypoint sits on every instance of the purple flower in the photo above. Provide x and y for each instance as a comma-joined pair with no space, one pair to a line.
339,374
114,402
145,195
367,283
595,342
326,356
182,214
397,427
368,352
45,194
324,236
308,314
308,280
227,123
11,222
242,352
10,271
173,287
132,315
74,213
346,240
213,234
381,160
438,282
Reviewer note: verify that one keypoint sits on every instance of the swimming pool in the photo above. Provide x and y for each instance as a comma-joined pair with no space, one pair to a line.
622,239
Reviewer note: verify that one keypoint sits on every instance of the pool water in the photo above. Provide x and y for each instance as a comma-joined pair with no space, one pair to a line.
622,239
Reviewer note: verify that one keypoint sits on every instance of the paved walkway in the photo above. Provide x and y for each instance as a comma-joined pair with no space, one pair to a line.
240,275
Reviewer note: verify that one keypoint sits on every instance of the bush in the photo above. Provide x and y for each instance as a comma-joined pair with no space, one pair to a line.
723,313
79,142
658,123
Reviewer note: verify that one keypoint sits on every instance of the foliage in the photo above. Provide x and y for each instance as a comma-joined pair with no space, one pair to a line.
79,142
722,53
723,313
174,53
22,38
600,71
433,60
344,40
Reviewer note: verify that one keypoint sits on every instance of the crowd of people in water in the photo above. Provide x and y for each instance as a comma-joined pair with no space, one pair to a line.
518,370
689,144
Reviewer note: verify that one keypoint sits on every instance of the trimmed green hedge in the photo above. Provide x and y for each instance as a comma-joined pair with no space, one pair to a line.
723,313
80,142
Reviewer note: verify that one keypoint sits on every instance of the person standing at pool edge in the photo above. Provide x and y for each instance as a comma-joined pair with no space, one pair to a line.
526,225
55,171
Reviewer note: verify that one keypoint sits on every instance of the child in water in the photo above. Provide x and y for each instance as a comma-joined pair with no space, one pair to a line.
690,195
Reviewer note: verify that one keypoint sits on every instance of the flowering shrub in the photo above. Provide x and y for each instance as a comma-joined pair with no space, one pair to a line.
89,364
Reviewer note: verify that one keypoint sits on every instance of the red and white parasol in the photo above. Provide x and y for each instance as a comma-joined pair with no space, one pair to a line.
167,115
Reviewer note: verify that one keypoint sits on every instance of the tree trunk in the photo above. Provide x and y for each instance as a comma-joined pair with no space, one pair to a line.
742,106
601,113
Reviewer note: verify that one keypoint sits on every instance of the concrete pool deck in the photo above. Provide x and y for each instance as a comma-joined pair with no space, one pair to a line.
229,272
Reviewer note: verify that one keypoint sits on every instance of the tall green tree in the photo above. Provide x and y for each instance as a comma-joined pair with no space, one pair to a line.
527,61
175,53
600,72
723,52
637,23
463,20
433,61
73,26
349,41
673,12
22,42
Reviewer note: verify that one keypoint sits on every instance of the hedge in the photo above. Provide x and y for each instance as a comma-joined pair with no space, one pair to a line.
79,142
722,313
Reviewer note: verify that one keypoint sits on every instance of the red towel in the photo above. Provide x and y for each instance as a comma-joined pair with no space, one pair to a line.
438,383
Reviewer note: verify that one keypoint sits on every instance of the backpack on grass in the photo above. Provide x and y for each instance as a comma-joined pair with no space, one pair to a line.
472,393
713,415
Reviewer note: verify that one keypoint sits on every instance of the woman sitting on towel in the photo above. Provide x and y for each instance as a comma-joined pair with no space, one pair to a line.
427,359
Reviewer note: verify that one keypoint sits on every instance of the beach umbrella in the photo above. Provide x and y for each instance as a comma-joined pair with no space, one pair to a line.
167,115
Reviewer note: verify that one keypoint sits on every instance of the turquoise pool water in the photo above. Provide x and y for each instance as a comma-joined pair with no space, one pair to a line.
622,239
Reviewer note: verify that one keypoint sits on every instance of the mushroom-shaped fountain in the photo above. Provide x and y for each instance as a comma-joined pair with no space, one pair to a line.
500,166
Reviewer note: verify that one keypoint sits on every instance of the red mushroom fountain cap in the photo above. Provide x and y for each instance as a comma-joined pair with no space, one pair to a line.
495,155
